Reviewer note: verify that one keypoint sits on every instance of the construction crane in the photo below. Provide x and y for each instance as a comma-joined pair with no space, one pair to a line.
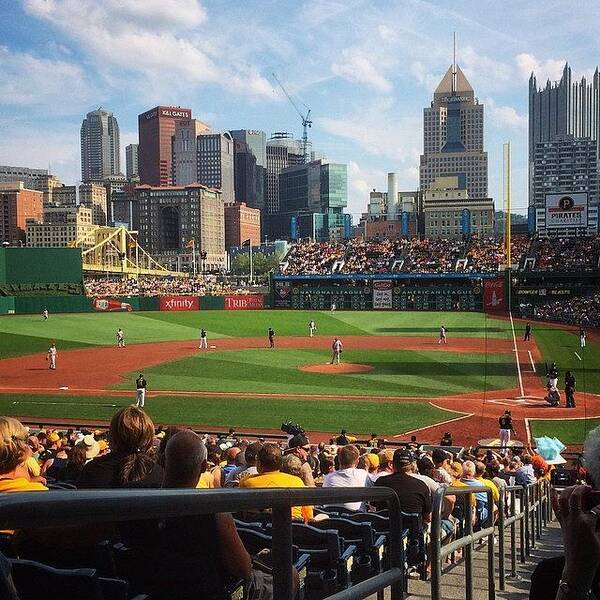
306,122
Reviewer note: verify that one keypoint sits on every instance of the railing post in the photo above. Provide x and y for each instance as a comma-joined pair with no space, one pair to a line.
436,544
501,530
491,554
396,548
526,518
469,548
513,537
532,524
283,586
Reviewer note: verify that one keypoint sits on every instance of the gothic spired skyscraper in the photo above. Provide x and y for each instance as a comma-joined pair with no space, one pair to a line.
100,146
453,136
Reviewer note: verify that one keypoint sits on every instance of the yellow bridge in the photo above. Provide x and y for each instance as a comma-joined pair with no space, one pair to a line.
116,250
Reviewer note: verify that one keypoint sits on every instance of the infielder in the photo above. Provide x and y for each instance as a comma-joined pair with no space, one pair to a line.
506,428
120,338
582,337
443,339
333,307
45,314
311,328
140,394
271,335
336,349
51,357
203,339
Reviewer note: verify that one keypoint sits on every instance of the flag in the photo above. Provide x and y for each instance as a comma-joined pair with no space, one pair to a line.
190,244
72,244
132,244
246,243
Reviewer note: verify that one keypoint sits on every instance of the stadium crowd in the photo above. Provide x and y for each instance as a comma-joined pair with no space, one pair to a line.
133,453
567,255
580,310
202,285
436,255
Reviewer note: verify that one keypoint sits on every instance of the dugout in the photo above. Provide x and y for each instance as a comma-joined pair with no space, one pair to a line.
389,291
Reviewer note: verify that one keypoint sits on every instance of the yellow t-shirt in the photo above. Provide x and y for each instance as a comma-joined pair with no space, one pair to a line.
33,466
20,484
459,483
206,481
489,483
277,479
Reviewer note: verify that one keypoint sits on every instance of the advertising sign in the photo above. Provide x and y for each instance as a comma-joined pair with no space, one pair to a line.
405,223
110,305
382,294
465,221
294,228
282,294
248,302
179,303
494,298
566,210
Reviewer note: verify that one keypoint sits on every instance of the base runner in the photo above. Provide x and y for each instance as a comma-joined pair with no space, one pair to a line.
140,393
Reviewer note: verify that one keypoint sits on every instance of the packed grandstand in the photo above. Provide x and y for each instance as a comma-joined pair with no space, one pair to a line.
176,558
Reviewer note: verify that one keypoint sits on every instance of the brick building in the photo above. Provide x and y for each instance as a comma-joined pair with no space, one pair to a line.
17,204
241,223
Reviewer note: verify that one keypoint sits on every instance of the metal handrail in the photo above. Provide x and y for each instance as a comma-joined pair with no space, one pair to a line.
71,508
534,514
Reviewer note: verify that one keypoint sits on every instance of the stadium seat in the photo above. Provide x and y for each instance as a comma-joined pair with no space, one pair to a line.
369,546
331,559
413,535
32,579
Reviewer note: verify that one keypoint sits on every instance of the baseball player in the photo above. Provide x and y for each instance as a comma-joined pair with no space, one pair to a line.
527,335
203,339
51,357
45,314
140,396
271,335
333,307
311,328
120,338
582,337
443,339
506,428
336,349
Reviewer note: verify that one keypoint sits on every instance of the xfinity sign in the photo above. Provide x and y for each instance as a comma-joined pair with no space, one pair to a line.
178,303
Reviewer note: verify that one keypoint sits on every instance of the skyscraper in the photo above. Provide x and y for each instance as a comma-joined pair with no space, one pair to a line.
184,148
564,150
100,146
156,128
282,151
131,161
453,136
250,153
215,164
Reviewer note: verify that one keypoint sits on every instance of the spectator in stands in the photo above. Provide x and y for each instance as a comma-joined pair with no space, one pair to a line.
342,439
482,505
348,475
291,465
75,464
247,469
525,475
14,452
480,470
493,473
414,495
131,460
386,466
440,460
230,456
424,470
268,464
373,465
300,446
204,551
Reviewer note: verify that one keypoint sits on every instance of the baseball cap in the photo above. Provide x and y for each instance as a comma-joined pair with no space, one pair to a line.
439,455
102,445
92,448
53,437
425,464
402,457
299,441
373,459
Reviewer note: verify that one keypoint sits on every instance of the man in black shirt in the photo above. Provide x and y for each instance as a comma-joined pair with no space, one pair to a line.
506,428
271,335
527,336
140,394
413,494
570,389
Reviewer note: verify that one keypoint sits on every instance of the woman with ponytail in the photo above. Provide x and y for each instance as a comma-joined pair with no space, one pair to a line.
131,461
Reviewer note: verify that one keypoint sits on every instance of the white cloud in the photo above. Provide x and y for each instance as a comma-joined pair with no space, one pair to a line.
159,41
505,116
358,66
424,77
26,80
543,69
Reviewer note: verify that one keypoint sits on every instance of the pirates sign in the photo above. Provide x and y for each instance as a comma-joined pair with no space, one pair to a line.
566,210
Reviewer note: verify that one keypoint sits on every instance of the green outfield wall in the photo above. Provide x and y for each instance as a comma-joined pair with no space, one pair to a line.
40,265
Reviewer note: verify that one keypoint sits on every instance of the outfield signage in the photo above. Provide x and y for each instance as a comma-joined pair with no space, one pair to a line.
566,210
247,302
179,303
110,305
494,297
382,294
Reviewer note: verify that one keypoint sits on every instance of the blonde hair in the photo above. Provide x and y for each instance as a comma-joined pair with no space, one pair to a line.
14,448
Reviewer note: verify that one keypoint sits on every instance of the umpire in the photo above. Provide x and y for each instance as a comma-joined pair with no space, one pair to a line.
570,389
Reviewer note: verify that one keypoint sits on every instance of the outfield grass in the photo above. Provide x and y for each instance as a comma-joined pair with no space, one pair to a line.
396,373
568,431
99,328
355,416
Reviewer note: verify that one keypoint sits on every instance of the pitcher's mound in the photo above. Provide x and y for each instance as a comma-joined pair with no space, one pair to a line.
341,368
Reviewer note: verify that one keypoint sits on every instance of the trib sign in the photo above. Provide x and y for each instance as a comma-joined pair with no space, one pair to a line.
179,303
249,302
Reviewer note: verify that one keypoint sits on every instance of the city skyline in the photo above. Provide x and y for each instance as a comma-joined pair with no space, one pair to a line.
367,98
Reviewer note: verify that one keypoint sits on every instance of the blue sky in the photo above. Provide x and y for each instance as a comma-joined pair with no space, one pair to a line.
366,69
